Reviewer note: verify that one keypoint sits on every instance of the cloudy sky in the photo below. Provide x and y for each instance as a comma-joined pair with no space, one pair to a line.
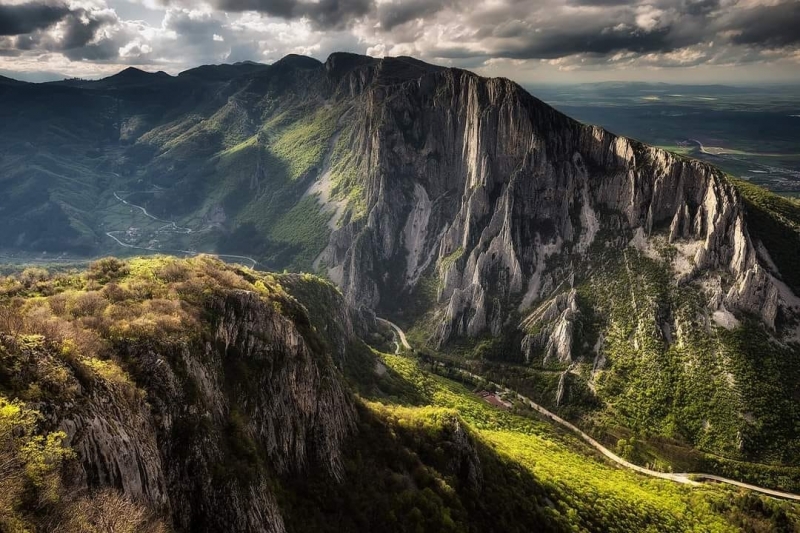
531,41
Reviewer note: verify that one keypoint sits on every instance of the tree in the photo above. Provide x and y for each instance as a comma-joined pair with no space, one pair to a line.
27,459
11,320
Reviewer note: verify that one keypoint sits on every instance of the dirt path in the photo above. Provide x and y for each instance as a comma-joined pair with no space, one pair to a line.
398,333
187,252
678,477
175,229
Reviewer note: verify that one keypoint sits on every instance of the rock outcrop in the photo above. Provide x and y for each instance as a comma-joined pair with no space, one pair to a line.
551,329
456,164
254,398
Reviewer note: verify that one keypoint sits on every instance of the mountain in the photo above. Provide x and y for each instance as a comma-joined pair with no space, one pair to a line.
10,81
612,270
188,395
647,297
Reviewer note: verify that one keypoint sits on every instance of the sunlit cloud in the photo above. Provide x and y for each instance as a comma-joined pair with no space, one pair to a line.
572,40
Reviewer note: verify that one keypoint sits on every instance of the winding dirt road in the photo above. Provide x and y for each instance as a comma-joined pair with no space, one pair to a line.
686,478
398,333
175,229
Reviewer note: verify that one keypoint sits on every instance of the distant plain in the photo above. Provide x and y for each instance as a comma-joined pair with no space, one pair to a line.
751,132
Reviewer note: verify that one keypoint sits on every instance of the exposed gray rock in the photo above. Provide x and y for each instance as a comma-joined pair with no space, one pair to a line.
254,379
452,161
554,323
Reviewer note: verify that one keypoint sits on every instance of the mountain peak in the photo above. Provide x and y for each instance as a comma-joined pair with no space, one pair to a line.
133,74
343,62
298,61
225,71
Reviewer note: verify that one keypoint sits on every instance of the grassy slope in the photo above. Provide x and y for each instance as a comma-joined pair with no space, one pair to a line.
587,493
698,397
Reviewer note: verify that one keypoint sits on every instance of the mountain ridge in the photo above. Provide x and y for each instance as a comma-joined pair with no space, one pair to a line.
159,394
462,207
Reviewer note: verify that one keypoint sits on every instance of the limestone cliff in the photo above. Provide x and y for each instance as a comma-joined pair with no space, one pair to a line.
199,427
188,395
505,194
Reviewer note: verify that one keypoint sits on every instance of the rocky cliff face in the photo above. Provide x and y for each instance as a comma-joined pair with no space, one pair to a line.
521,220
196,396
505,196
211,424
395,177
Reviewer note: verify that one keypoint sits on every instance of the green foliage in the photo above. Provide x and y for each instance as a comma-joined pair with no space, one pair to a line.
587,494
346,174
671,372
302,145
448,261
304,226
106,269
29,464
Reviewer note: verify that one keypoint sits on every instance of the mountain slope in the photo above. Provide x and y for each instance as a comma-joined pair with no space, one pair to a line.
624,276
637,291
186,395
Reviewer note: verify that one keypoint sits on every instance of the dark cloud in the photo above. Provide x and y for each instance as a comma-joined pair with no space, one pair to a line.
77,39
323,14
511,29
598,28
81,29
600,3
80,41
774,26
103,50
573,34
700,7
26,18
554,45
31,41
393,14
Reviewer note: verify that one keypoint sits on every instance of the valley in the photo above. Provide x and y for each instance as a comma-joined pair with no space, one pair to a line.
679,477
321,263
357,446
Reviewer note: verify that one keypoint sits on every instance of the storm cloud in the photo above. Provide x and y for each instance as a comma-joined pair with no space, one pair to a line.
393,14
324,14
78,37
26,18
501,36
770,26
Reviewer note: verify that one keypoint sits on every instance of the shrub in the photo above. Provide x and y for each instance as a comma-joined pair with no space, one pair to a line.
107,269
11,320
142,289
173,271
58,304
29,461
107,510
88,304
115,293
33,275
